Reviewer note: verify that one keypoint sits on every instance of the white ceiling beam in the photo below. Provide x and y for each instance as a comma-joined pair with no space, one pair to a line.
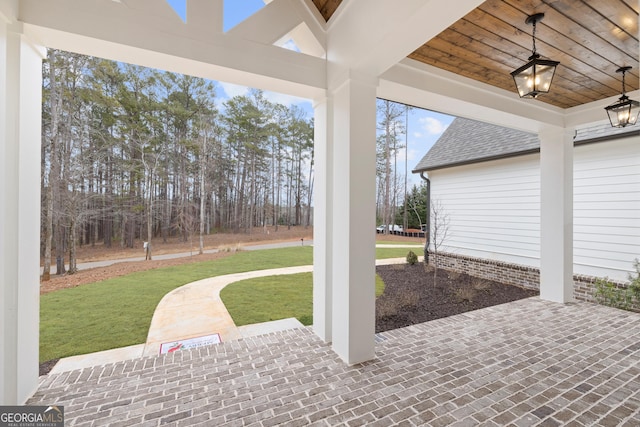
311,18
424,86
305,40
281,19
373,35
8,10
310,35
314,20
269,24
112,30
151,8
206,15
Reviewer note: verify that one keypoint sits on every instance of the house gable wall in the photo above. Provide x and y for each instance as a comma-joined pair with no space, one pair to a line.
493,209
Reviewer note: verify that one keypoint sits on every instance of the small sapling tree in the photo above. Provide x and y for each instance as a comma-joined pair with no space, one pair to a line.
439,232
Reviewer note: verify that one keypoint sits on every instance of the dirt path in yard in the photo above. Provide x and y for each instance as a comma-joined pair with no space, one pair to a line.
226,243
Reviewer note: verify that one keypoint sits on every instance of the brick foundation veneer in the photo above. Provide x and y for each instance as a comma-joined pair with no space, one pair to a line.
512,274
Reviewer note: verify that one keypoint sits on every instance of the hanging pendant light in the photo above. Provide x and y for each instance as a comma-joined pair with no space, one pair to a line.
534,78
625,111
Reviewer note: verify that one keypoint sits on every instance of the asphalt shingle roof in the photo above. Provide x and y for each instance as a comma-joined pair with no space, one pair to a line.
468,141
605,131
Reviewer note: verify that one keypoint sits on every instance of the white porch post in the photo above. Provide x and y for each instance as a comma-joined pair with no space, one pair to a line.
353,216
556,214
20,124
322,216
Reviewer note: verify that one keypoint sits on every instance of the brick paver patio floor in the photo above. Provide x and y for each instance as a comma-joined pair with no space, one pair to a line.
525,363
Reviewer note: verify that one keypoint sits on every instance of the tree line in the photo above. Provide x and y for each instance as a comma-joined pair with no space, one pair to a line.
133,153
395,202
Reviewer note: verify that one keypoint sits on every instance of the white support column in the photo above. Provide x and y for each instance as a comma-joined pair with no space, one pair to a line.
20,125
6,396
556,214
353,215
322,224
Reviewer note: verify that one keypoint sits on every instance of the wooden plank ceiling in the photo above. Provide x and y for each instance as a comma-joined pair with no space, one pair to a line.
590,38
327,7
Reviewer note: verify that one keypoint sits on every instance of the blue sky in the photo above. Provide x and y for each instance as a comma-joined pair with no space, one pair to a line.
424,127
235,11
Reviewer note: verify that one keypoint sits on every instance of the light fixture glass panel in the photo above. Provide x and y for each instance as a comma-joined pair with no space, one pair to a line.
623,113
544,75
534,78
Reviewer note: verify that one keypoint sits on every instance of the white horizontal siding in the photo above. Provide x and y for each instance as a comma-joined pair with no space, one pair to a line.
494,208
607,208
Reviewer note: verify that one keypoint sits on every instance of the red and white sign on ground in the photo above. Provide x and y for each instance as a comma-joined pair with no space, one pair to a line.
186,344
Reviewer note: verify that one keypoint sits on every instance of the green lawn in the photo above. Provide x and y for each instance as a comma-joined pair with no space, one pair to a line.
117,312
275,297
382,253
417,242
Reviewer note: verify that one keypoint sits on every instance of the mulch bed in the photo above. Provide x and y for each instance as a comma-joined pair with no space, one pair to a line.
46,367
411,297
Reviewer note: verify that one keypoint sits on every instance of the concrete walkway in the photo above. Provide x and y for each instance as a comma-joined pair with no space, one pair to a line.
194,310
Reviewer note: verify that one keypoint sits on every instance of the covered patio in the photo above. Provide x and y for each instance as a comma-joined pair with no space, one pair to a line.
525,363
351,52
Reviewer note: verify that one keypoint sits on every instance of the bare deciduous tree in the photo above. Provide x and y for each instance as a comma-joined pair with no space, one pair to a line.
387,147
439,232
53,169
150,161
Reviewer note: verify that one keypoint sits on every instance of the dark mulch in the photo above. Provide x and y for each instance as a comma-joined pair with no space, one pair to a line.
46,367
411,297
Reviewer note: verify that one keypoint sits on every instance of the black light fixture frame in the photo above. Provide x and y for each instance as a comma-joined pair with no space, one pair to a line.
625,111
535,64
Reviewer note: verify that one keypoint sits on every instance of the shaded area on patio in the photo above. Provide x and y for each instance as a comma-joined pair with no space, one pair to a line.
528,362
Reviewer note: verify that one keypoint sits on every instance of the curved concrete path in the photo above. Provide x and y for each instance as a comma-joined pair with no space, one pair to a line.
194,310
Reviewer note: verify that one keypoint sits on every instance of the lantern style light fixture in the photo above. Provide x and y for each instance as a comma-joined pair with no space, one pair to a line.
534,78
625,111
